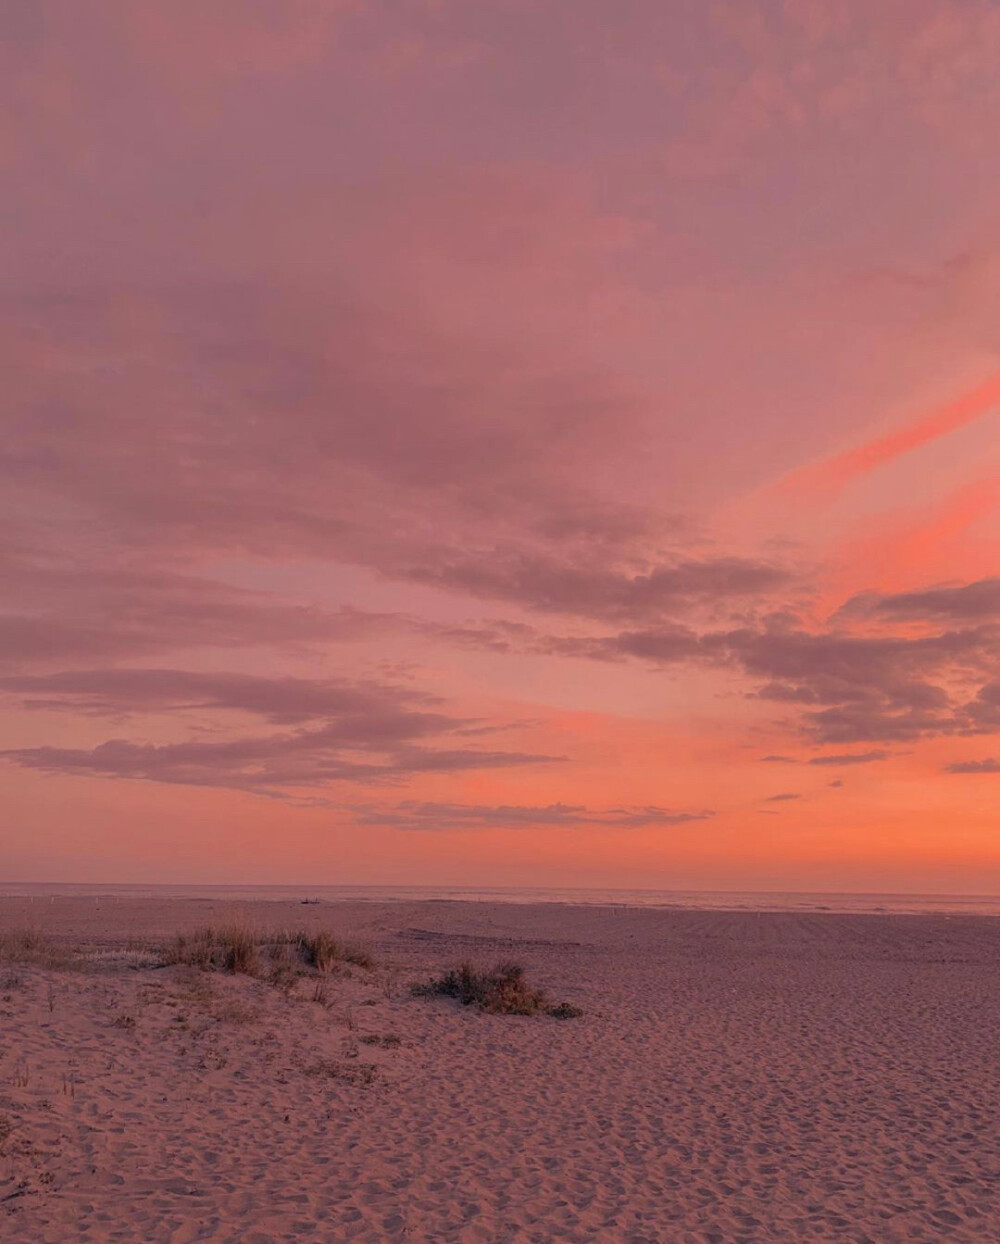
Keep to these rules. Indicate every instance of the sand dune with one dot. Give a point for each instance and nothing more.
(735, 1079)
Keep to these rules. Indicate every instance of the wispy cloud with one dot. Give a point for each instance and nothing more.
(366, 733)
(965, 602)
(849, 758)
(836, 473)
(411, 814)
(988, 765)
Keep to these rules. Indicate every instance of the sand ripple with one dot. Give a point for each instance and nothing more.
(736, 1079)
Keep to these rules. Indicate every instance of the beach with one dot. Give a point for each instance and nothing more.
(735, 1078)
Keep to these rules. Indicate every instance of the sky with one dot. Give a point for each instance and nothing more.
(501, 443)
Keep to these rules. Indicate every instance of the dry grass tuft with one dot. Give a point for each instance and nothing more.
(284, 977)
(323, 952)
(388, 1042)
(363, 1074)
(319, 951)
(236, 1013)
(358, 955)
(231, 948)
(565, 1010)
(502, 990)
(281, 956)
(29, 947)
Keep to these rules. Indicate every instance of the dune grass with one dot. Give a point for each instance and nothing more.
(323, 952)
(31, 948)
(501, 990)
(242, 950)
(229, 948)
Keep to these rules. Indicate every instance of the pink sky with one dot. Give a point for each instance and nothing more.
(501, 443)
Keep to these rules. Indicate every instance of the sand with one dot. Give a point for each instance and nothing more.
(736, 1078)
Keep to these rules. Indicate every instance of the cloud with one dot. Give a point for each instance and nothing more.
(783, 797)
(58, 613)
(367, 733)
(970, 602)
(860, 688)
(428, 465)
(487, 371)
(844, 686)
(841, 758)
(989, 765)
(612, 594)
(836, 473)
(411, 814)
(849, 758)
(667, 644)
(274, 765)
(111, 692)
(982, 713)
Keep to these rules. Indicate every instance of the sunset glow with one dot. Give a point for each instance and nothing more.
(438, 449)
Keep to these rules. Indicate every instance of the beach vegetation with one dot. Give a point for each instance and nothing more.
(500, 990)
(28, 947)
(280, 956)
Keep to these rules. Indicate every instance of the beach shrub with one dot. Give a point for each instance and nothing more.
(565, 1010)
(389, 1041)
(363, 1074)
(319, 950)
(28, 946)
(231, 948)
(358, 955)
(238, 948)
(501, 990)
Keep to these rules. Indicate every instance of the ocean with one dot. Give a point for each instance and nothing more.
(714, 900)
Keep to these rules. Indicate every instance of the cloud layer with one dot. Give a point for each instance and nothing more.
(344, 732)
(517, 407)
(441, 816)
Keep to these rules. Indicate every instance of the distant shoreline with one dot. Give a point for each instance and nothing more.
(683, 900)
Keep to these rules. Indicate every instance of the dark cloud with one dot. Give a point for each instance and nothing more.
(982, 713)
(834, 666)
(989, 765)
(286, 701)
(58, 613)
(968, 602)
(666, 645)
(783, 797)
(357, 732)
(340, 431)
(844, 687)
(608, 593)
(855, 689)
(849, 758)
(275, 765)
(836, 758)
(286, 416)
(411, 814)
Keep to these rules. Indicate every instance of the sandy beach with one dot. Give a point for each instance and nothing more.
(735, 1078)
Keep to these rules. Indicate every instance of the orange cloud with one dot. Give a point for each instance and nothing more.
(922, 547)
(831, 476)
